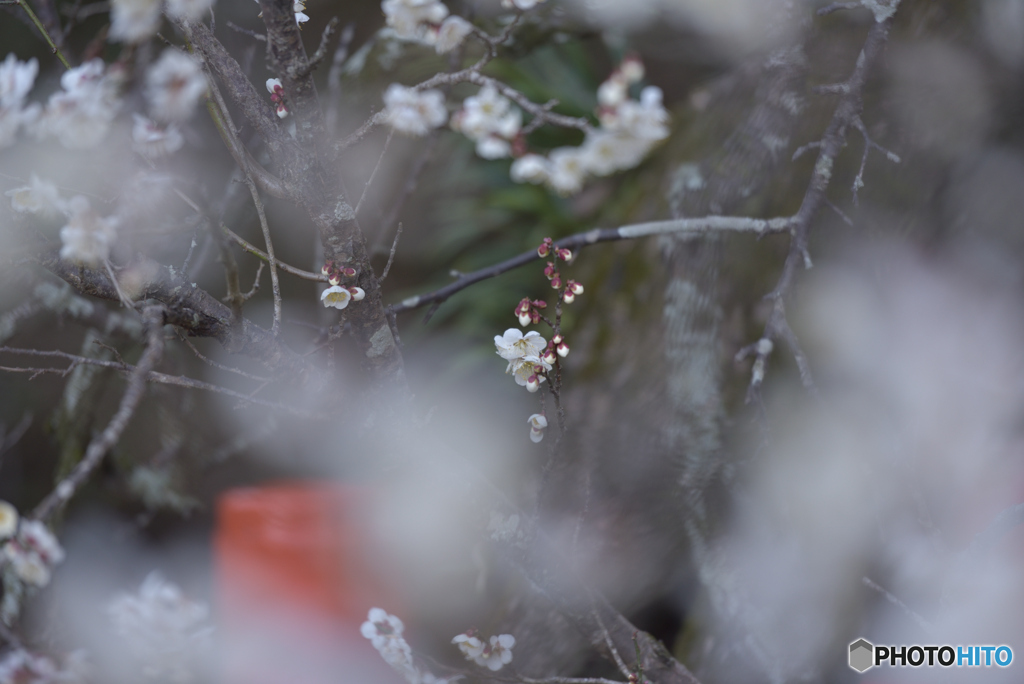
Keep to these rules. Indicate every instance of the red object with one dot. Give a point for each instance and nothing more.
(296, 576)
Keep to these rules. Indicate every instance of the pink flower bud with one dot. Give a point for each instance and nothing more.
(348, 271)
(564, 254)
(324, 270)
(532, 383)
(576, 288)
(357, 293)
(556, 340)
(543, 251)
(563, 350)
(549, 356)
(568, 297)
(334, 280)
(539, 304)
(535, 316)
(556, 282)
(550, 271)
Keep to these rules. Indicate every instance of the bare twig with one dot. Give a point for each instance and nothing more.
(199, 355)
(265, 227)
(42, 29)
(321, 51)
(247, 32)
(373, 174)
(391, 256)
(256, 251)
(153, 318)
(691, 226)
(858, 182)
(910, 613)
(836, 6)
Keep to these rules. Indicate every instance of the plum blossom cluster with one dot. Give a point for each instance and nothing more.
(385, 633)
(414, 112)
(427, 22)
(162, 629)
(525, 355)
(174, 86)
(629, 129)
(490, 120)
(338, 295)
(81, 113)
(135, 21)
(88, 237)
(16, 80)
(493, 654)
(30, 551)
(530, 357)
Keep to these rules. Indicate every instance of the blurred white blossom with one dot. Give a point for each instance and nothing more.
(80, 114)
(414, 112)
(87, 238)
(152, 140)
(493, 654)
(188, 9)
(174, 85)
(38, 197)
(33, 553)
(521, 4)
(415, 19)
(451, 33)
(162, 629)
(16, 79)
(8, 520)
(489, 119)
(133, 21)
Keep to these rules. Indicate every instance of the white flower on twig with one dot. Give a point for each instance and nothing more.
(416, 20)
(87, 238)
(537, 424)
(493, 654)
(414, 112)
(174, 85)
(33, 553)
(134, 21)
(80, 114)
(451, 33)
(38, 197)
(515, 345)
(336, 296)
(153, 141)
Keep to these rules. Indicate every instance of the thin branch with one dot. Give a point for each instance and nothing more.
(391, 256)
(247, 32)
(256, 251)
(614, 652)
(255, 283)
(153, 319)
(921, 622)
(42, 29)
(692, 226)
(229, 369)
(152, 376)
(275, 330)
(858, 182)
(321, 51)
(373, 174)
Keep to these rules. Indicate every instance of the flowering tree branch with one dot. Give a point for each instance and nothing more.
(684, 226)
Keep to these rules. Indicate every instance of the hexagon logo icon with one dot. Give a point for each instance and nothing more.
(862, 655)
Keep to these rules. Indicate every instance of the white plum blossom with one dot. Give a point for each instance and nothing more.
(537, 423)
(416, 20)
(451, 33)
(80, 114)
(134, 21)
(174, 85)
(498, 652)
(188, 9)
(87, 238)
(38, 197)
(528, 371)
(629, 130)
(33, 553)
(336, 296)
(152, 140)
(162, 629)
(385, 633)
(515, 345)
(568, 170)
(490, 120)
(493, 654)
(469, 644)
(530, 168)
(380, 627)
(16, 79)
(8, 520)
(414, 112)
